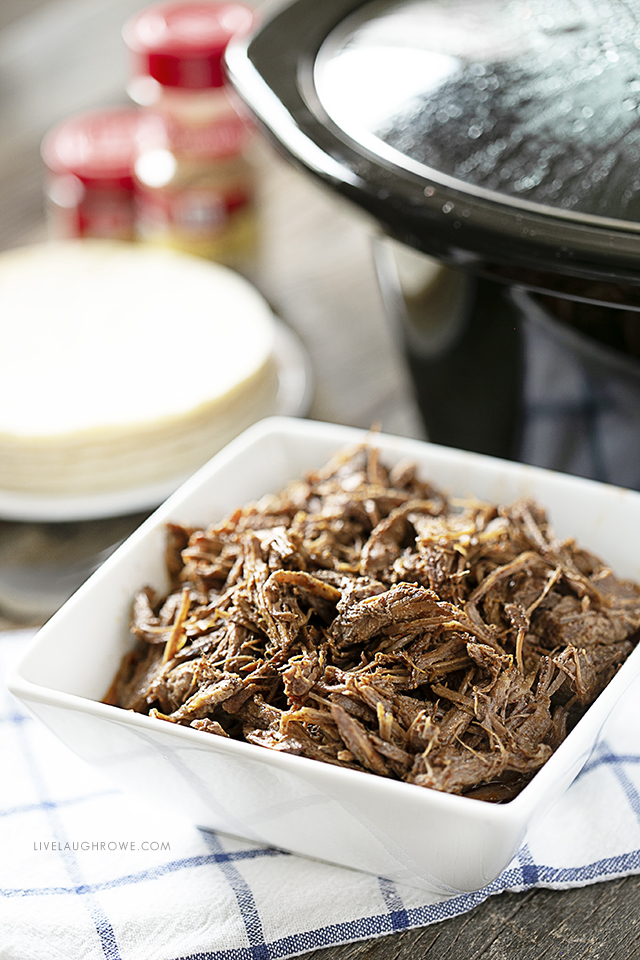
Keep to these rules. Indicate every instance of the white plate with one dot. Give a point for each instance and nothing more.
(293, 400)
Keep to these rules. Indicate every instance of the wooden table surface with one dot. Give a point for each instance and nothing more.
(62, 56)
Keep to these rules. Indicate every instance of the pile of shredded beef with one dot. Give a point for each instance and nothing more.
(361, 618)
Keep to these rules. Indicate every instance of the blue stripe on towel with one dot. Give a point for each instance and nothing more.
(102, 924)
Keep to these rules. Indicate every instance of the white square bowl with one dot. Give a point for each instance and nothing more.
(407, 833)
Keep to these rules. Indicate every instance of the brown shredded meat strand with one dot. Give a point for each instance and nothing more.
(361, 618)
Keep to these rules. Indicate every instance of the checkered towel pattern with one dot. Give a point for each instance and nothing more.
(87, 873)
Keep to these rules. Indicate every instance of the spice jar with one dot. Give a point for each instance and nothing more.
(195, 183)
(89, 186)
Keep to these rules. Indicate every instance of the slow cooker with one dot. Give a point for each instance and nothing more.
(496, 145)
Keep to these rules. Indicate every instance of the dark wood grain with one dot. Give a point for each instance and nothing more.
(319, 274)
(599, 922)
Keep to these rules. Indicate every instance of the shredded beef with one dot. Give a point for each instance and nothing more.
(362, 618)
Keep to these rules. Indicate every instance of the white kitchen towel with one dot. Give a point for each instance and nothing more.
(87, 873)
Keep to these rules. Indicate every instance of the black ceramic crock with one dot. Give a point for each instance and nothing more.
(497, 145)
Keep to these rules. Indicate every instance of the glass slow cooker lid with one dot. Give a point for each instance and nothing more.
(533, 101)
(506, 130)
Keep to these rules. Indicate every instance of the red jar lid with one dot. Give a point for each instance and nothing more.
(98, 147)
(182, 44)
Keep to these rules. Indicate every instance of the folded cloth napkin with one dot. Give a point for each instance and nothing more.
(87, 872)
